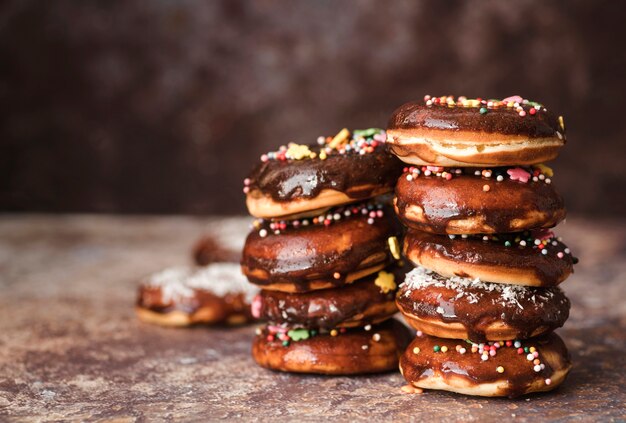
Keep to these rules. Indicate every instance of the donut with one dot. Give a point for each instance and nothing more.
(531, 258)
(462, 308)
(508, 368)
(329, 251)
(372, 349)
(448, 131)
(183, 296)
(470, 201)
(367, 301)
(305, 180)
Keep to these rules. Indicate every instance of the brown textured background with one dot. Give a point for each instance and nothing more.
(162, 107)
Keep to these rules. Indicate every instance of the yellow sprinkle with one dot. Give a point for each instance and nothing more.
(562, 123)
(340, 138)
(532, 349)
(385, 281)
(500, 369)
(312, 155)
(333, 332)
(473, 103)
(323, 155)
(394, 247)
(297, 151)
(444, 349)
(545, 170)
(416, 350)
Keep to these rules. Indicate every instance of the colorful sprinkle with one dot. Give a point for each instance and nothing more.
(385, 281)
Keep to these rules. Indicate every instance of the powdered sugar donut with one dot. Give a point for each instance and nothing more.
(181, 296)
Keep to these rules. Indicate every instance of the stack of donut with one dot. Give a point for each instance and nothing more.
(479, 204)
(323, 249)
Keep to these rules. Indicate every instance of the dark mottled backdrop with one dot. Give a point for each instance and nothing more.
(162, 106)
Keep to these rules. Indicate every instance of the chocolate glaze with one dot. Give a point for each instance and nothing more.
(326, 308)
(151, 298)
(547, 268)
(506, 121)
(356, 175)
(477, 308)
(344, 352)
(463, 197)
(299, 256)
(517, 369)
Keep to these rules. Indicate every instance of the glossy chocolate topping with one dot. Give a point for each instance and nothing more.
(301, 255)
(506, 121)
(327, 308)
(352, 352)
(550, 268)
(517, 369)
(356, 175)
(476, 305)
(464, 197)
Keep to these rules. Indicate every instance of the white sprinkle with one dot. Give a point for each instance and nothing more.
(376, 337)
(263, 232)
(409, 177)
(500, 178)
(364, 347)
(368, 327)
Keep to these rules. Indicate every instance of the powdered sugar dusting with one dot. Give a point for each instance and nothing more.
(510, 295)
(222, 279)
(178, 283)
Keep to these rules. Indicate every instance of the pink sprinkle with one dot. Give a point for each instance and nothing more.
(256, 307)
(514, 99)
(559, 254)
(381, 137)
(276, 329)
(548, 381)
(435, 168)
(264, 158)
(518, 174)
(379, 213)
(246, 190)
(522, 113)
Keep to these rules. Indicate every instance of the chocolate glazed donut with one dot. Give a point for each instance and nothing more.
(319, 257)
(465, 309)
(358, 304)
(492, 261)
(462, 205)
(201, 307)
(358, 176)
(461, 369)
(460, 132)
(356, 351)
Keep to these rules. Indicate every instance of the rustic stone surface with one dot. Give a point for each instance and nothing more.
(71, 348)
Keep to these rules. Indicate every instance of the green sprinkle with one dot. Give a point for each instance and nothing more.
(483, 110)
(526, 349)
(313, 332)
(285, 343)
(436, 348)
(507, 243)
(366, 133)
(298, 334)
